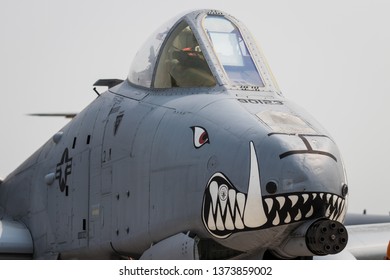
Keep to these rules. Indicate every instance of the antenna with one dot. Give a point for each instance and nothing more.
(95, 90)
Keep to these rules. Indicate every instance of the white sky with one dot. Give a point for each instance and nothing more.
(331, 57)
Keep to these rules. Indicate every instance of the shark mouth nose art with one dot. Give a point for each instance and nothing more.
(226, 210)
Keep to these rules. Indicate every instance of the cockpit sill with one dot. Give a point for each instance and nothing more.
(245, 95)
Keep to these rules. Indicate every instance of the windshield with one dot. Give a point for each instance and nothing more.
(232, 51)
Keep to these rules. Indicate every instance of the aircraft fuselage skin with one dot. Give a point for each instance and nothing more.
(138, 166)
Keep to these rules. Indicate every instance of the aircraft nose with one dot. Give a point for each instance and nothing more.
(291, 180)
(302, 177)
(301, 163)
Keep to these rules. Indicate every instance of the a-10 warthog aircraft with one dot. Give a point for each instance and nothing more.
(196, 155)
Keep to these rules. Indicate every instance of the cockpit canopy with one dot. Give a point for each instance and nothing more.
(201, 49)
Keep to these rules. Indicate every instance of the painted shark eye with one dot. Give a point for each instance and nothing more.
(201, 136)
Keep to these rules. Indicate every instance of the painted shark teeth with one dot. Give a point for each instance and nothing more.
(295, 207)
(280, 210)
(226, 210)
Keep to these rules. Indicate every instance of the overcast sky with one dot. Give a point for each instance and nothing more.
(331, 57)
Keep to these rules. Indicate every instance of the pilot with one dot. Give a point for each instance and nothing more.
(188, 67)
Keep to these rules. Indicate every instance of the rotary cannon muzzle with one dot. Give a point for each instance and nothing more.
(325, 237)
(315, 238)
